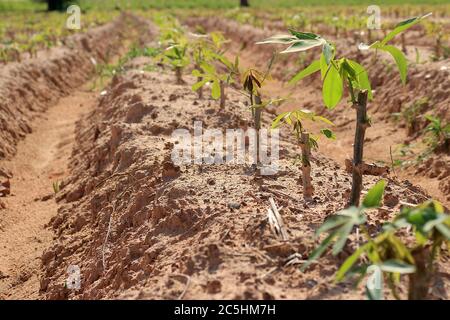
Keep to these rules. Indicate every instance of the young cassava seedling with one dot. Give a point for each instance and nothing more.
(306, 141)
(387, 253)
(216, 77)
(336, 73)
(204, 50)
(439, 139)
(252, 81)
(176, 56)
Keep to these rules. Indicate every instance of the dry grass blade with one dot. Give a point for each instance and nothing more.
(275, 221)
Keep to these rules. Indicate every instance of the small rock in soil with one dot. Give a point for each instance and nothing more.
(234, 205)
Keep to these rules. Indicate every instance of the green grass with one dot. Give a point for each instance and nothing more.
(10, 5)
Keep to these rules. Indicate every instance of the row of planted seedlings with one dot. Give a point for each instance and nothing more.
(408, 245)
(24, 33)
(342, 23)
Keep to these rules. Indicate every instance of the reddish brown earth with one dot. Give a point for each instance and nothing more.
(29, 166)
(173, 230)
(140, 227)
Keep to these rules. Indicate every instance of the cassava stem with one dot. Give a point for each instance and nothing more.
(257, 120)
(308, 189)
(420, 281)
(358, 147)
(222, 94)
(179, 75)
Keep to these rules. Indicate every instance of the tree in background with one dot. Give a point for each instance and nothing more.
(58, 5)
(55, 5)
(244, 3)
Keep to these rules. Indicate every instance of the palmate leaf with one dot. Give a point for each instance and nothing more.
(312, 68)
(424, 218)
(402, 26)
(339, 227)
(374, 195)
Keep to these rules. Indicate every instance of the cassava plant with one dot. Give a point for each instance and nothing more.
(252, 81)
(337, 73)
(439, 138)
(177, 57)
(175, 46)
(410, 244)
(216, 77)
(306, 140)
(204, 50)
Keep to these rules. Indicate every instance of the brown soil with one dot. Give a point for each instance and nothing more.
(139, 227)
(31, 205)
(30, 166)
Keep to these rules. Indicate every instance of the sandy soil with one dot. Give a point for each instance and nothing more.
(41, 160)
(140, 227)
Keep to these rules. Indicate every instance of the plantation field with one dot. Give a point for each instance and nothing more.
(202, 150)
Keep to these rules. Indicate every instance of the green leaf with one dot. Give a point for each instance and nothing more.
(215, 90)
(303, 45)
(318, 251)
(343, 234)
(276, 121)
(303, 35)
(444, 230)
(196, 73)
(350, 261)
(400, 60)
(332, 88)
(402, 26)
(199, 84)
(374, 289)
(323, 119)
(397, 266)
(279, 39)
(362, 78)
(328, 52)
(332, 222)
(313, 67)
(208, 68)
(373, 197)
(323, 66)
(328, 133)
